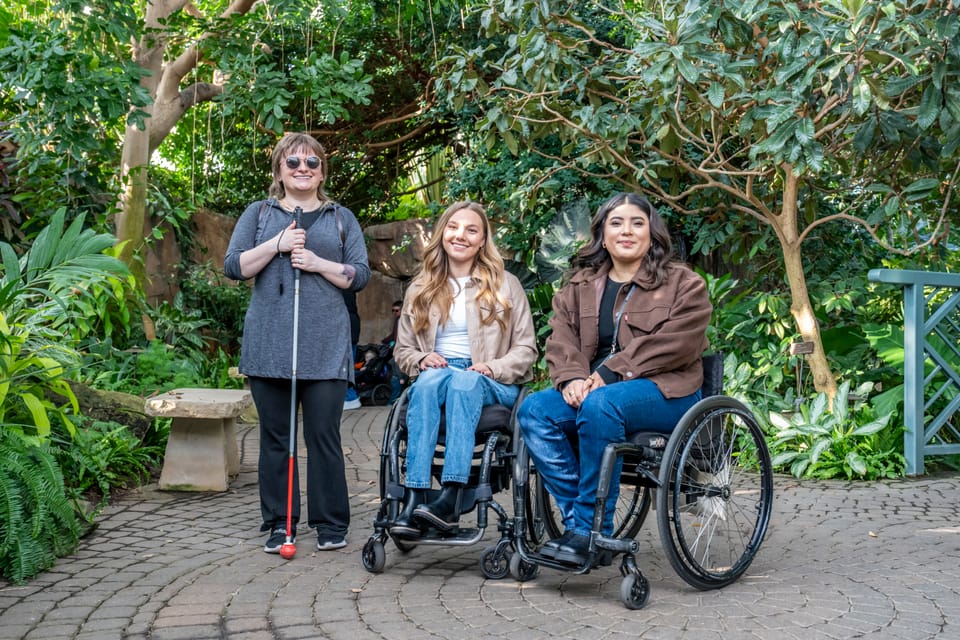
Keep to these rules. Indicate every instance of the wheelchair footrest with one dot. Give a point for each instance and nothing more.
(617, 545)
(461, 536)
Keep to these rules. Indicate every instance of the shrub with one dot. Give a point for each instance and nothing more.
(847, 442)
(45, 296)
(103, 456)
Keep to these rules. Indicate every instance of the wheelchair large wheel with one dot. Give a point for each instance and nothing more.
(633, 504)
(716, 493)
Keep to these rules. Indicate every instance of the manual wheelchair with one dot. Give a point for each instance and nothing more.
(491, 473)
(712, 481)
(711, 478)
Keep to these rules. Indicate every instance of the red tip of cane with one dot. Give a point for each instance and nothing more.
(288, 550)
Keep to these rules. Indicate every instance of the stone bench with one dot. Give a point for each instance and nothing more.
(202, 451)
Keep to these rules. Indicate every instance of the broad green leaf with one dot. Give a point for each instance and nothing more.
(783, 458)
(818, 448)
(779, 420)
(872, 427)
(856, 463)
(38, 412)
(929, 107)
(715, 94)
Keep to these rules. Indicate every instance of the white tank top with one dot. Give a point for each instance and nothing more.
(453, 339)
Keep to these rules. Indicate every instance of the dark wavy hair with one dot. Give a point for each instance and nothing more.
(594, 256)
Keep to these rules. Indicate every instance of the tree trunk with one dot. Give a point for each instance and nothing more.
(131, 219)
(785, 225)
(135, 158)
(170, 102)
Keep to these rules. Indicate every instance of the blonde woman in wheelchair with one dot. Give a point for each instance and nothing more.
(466, 333)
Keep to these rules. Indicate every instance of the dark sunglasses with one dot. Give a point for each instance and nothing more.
(313, 162)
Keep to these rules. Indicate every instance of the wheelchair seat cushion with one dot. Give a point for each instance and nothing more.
(493, 417)
(652, 439)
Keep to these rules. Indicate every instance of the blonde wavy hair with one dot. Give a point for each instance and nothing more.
(434, 275)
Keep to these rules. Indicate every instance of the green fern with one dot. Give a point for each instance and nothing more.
(37, 522)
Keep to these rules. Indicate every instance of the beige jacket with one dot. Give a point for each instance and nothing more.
(510, 354)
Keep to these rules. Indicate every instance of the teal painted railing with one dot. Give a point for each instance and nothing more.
(931, 345)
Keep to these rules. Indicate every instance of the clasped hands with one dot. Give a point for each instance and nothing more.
(575, 391)
(434, 360)
(292, 241)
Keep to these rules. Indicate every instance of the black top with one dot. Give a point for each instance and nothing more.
(605, 324)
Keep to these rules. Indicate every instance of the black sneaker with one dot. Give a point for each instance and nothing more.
(277, 538)
(330, 541)
(576, 551)
(549, 548)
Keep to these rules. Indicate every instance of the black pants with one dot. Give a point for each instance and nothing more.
(321, 405)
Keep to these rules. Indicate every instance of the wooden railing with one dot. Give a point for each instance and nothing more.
(931, 344)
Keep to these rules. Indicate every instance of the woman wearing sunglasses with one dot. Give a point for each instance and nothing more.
(299, 228)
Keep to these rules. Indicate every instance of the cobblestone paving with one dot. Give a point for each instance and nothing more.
(841, 560)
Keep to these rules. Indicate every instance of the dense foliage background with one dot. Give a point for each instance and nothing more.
(791, 146)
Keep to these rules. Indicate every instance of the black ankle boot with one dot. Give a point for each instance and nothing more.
(405, 526)
(444, 512)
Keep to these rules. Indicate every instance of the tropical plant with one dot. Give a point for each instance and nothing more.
(154, 369)
(220, 303)
(849, 441)
(43, 295)
(101, 456)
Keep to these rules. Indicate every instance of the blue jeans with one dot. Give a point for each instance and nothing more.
(351, 389)
(461, 395)
(608, 414)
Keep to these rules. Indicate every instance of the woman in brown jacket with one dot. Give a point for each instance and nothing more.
(628, 332)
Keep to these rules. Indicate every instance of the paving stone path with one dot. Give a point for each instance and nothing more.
(841, 560)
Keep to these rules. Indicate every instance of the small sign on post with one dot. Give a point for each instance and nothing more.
(801, 348)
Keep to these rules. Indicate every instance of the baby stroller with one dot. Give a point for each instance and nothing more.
(374, 367)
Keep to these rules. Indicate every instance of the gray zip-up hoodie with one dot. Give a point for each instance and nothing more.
(324, 350)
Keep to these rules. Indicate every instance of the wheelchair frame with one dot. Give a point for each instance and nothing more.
(713, 482)
(495, 458)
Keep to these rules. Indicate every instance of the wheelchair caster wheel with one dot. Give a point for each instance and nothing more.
(634, 591)
(521, 570)
(374, 556)
(494, 563)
